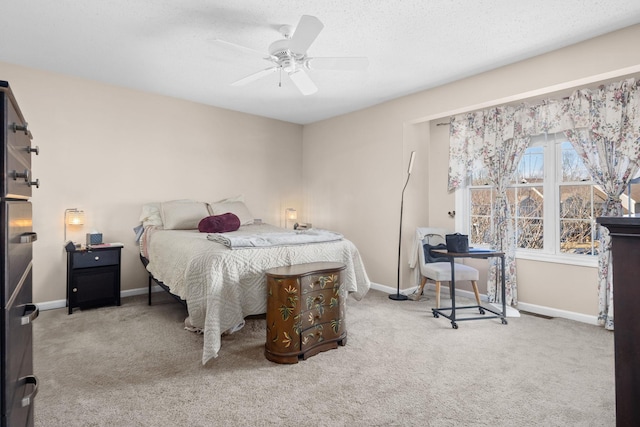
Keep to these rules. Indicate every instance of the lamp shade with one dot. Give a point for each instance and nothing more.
(74, 217)
(291, 214)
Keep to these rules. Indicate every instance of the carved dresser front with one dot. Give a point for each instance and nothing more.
(305, 311)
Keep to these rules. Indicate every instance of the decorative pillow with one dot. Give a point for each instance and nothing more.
(182, 214)
(239, 209)
(219, 223)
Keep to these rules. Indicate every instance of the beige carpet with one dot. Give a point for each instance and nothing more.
(134, 365)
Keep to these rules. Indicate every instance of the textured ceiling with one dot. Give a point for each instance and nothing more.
(168, 47)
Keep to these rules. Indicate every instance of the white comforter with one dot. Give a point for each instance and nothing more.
(222, 286)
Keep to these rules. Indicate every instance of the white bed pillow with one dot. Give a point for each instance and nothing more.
(150, 215)
(237, 208)
(183, 214)
(238, 198)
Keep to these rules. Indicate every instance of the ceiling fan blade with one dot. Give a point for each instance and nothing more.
(344, 63)
(243, 49)
(303, 82)
(306, 32)
(255, 76)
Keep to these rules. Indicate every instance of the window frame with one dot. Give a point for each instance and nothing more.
(551, 213)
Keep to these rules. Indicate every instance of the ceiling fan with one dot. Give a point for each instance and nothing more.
(289, 55)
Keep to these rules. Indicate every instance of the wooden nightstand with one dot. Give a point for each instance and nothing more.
(305, 311)
(93, 277)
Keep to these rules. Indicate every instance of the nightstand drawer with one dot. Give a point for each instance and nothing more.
(91, 259)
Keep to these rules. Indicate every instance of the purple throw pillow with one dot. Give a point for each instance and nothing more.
(219, 223)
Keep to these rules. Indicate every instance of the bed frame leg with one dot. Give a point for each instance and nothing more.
(150, 289)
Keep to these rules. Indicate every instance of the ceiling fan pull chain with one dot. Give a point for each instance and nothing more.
(280, 82)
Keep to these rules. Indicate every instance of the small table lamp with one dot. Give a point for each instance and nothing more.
(72, 216)
(290, 215)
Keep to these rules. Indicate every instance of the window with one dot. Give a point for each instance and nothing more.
(579, 203)
(553, 203)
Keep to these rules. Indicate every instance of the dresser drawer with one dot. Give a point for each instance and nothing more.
(18, 155)
(319, 281)
(324, 332)
(321, 307)
(18, 342)
(91, 259)
(18, 252)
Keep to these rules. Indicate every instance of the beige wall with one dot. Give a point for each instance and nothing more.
(108, 150)
(369, 152)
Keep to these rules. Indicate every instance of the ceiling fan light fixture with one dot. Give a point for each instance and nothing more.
(279, 47)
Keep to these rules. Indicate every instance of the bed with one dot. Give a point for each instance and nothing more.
(220, 275)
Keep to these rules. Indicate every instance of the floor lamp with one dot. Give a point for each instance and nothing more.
(398, 296)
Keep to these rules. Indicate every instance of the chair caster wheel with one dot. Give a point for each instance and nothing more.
(482, 311)
(454, 325)
(504, 321)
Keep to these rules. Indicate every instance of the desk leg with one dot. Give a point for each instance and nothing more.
(452, 287)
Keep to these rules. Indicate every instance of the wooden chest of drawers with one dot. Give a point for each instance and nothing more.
(17, 311)
(305, 311)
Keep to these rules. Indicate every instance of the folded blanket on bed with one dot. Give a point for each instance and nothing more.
(275, 239)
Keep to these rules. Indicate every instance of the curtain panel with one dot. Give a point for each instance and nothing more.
(603, 125)
(606, 135)
(495, 139)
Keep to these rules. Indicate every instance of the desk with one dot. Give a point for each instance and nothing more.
(437, 312)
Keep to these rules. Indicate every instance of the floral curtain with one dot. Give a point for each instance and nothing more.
(497, 138)
(603, 126)
(606, 134)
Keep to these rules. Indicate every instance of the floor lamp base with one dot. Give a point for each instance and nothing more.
(398, 297)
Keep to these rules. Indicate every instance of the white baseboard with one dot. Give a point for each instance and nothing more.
(62, 303)
(511, 311)
(554, 312)
(52, 305)
(390, 290)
